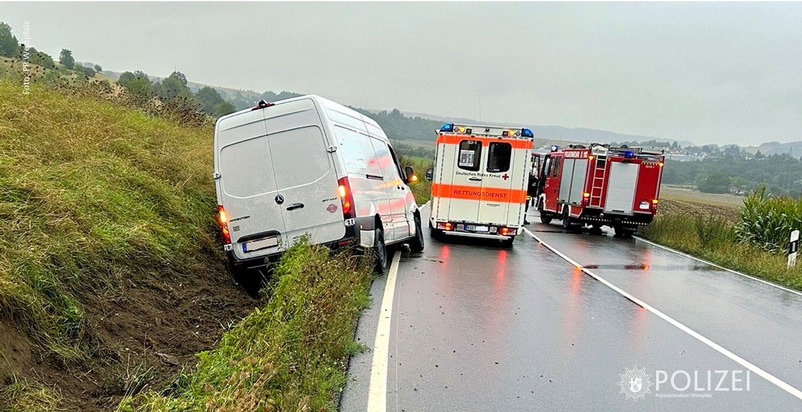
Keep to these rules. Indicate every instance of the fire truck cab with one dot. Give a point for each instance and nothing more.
(479, 181)
(600, 185)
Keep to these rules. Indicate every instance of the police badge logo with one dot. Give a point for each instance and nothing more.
(635, 383)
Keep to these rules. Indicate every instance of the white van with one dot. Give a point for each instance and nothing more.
(307, 165)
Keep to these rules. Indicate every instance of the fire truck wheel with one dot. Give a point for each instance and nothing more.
(566, 220)
(380, 252)
(416, 243)
(624, 231)
(545, 217)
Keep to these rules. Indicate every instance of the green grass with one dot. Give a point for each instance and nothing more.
(89, 192)
(91, 195)
(715, 239)
(27, 397)
(422, 189)
(289, 355)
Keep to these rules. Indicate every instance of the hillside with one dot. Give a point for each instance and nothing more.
(794, 149)
(111, 278)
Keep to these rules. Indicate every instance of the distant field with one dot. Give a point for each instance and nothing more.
(677, 200)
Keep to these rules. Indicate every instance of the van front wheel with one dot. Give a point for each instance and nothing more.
(380, 252)
(416, 243)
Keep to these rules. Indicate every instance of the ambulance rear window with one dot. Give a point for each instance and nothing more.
(470, 152)
(498, 159)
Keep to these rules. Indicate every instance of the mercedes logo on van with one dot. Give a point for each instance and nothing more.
(279, 199)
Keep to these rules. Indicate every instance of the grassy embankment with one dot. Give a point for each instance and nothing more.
(749, 238)
(290, 355)
(93, 196)
(109, 211)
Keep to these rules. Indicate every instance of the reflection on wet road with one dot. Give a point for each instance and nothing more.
(477, 327)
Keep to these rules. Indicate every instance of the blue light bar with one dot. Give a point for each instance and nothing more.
(629, 153)
(555, 148)
(448, 127)
(527, 133)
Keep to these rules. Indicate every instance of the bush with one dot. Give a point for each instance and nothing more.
(767, 222)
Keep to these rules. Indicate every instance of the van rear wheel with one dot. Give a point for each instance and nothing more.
(416, 243)
(380, 252)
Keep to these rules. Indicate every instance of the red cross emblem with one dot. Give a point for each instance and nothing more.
(505, 177)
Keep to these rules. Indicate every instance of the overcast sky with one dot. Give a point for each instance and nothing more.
(704, 72)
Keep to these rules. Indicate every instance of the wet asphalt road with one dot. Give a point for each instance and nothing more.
(480, 328)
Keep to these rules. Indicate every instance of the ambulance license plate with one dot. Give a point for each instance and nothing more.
(259, 244)
(475, 228)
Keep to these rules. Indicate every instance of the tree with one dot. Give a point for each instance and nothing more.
(41, 59)
(208, 98)
(126, 78)
(9, 46)
(98, 68)
(716, 183)
(88, 71)
(66, 59)
(223, 108)
(175, 86)
(137, 84)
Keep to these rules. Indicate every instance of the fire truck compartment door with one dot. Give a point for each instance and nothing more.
(621, 187)
(573, 180)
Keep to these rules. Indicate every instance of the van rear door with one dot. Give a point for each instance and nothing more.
(277, 179)
(247, 185)
(304, 171)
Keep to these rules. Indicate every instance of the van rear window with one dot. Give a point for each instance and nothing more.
(470, 153)
(299, 156)
(498, 158)
(246, 168)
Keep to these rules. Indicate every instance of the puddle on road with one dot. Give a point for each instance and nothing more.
(653, 267)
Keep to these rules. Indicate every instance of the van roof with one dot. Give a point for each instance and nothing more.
(321, 101)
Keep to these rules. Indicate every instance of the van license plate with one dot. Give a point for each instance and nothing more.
(259, 244)
(476, 228)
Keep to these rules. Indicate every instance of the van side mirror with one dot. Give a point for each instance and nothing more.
(430, 174)
(410, 174)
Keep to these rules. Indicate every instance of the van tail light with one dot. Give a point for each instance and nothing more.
(445, 225)
(505, 231)
(222, 220)
(347, 198)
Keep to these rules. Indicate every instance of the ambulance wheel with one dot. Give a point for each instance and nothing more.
(380, 252)
(545, 217)
(507, 243)
(435, 233)
(416, 243)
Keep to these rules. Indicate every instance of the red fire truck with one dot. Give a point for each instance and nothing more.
(600, 185)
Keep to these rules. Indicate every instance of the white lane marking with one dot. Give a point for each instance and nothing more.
(377, 396)
(743, 362)
(718, 266)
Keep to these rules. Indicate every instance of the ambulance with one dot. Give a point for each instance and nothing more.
(479, 181)
(616, 186)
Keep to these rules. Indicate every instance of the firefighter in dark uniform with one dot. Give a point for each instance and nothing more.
(531, 192)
